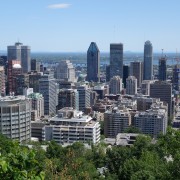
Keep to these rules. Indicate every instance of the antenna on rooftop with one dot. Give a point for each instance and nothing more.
(162, 52)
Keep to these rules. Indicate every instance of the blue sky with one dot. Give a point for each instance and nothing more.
(70, 25)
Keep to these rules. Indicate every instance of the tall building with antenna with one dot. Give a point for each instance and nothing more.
(162, 68)
(21, 53)
(148, 61)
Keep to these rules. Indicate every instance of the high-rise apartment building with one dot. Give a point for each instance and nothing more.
(37, 104)
(148, 61)
(2, 81)
(131, 85)
(84, 97)
(115, 85)
(116, 60)
(116, 121)
(93, 63)
(153, 121)
(15, 119)
(162, 69)
(14, 69)
(136, 71)
(21, 53)
(65, 71)
(47, 87)
(162, 90)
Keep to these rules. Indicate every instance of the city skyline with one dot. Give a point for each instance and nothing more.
(69, 26)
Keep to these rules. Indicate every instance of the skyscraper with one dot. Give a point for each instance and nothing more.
(116, 60)
(148, 61)
(47, 87)
(136, 71)
(65, 71)
(21, 53)
(162, 90)
(93, 63)
(162, 69)
(26, 58)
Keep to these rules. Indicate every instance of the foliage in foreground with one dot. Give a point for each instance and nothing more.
(144, 160)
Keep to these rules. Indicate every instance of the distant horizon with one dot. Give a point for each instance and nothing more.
(66, 52)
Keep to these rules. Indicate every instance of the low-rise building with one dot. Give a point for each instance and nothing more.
(67, 127)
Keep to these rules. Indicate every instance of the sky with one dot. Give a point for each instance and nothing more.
(71, 25)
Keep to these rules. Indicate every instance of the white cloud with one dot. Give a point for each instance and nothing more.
(58, 6)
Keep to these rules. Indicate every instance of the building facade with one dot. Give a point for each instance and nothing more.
(65, 71)
(47, 87)
(176, 77)
(70, 126)
(153, 121)
(115, 85)
(68, 98)
(162, 90)
(116, 121)
(2, 81)
(148, 61)
(37, 105)
(84, 97)
(34, 78)
(136, 71)
(116, 60)
(162, 69)
(93, 63)
(14, 69)
(21, 53)
(125, 74)
(131, 85)
(15, 119)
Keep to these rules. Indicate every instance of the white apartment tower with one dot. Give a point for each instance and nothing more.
(115, 85)
(153, 121)
(131, 85)
(65, 71)
(37, 102)
(15, 119)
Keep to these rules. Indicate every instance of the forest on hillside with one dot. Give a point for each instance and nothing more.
(143, 161)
